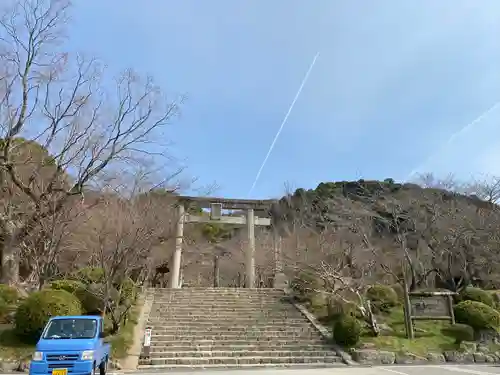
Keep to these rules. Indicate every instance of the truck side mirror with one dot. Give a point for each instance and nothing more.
(102, 335)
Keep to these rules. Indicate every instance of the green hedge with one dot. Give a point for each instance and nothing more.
(460, 332)
(477, 315)
(347, 331)
(338, 308)
(90, 275)
(9, 294)
(383, 298)
(71, 286)
(306, 284)
(128, 291)
(34, 312)
(478, 295)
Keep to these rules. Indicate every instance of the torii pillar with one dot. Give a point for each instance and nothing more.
(175, 271)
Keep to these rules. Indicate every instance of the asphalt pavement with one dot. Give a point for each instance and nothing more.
(347, 370)
(353, 370)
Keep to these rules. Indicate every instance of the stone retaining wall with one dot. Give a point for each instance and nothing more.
(475, 354)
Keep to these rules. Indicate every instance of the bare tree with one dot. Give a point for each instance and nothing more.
(44, 252)
(59, 102)
(125, 233)
(486, 189)
(449, 182)
(335, 248)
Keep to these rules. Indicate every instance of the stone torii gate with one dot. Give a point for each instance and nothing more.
(253, 208)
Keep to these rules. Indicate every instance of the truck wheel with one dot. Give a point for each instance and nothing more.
(103, 367)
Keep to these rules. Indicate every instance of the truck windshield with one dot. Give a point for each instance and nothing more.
(71, 329)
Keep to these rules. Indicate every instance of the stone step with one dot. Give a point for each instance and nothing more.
(224, 318)
(168, 324)
(237, 342)
(237, 319)
(218, 296)
(241, 353)
(217, 303)
(167, 319)
(220, 299)
(201, 361)
(232, 330)
(157, 321)
(231, 336)
(229, 345)
(247, 308)
(222, 315)
(215, 290)
(160, 368)
(208, 295)
(185, 309)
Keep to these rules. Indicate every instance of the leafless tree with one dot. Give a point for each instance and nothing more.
(125, 233)
(44, 252)
(449, 182)
(59, 102)
(339, 253)
(486, 189)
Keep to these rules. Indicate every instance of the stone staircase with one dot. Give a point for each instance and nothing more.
(228, 327)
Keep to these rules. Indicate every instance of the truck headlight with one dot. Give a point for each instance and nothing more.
(87, 355)
(37, 356)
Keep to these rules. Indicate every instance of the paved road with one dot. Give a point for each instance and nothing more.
(348, 370)
(389, 370)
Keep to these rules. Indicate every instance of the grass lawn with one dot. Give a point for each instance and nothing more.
(428, 336)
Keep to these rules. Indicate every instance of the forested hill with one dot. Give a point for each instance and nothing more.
(451, 235)
(382, 197)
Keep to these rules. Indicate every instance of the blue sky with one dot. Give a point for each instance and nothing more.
(394, 81)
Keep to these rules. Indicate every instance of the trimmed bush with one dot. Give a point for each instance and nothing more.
(460, 332)
(305, 285)
(338, 308)
(477, 315)
(382, 297)
(71, 286)
(128, 293)
(93, 295)
(90, 275)
(34, 312)
(398, 288)
(5, 310)
(478, 295)
(347, 331)
(496, 297)
(91, 298)
(9, 294)
(317, 300)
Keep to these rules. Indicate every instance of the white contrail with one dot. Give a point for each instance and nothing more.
(283, 124)
(453, 136)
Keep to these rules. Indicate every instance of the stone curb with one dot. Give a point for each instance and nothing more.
(131, 362)
(371, 357)
(346, 358)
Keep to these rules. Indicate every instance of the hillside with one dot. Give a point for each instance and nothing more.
(372, 228)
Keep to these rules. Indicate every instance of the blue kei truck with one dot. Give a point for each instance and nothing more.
(71, 345)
